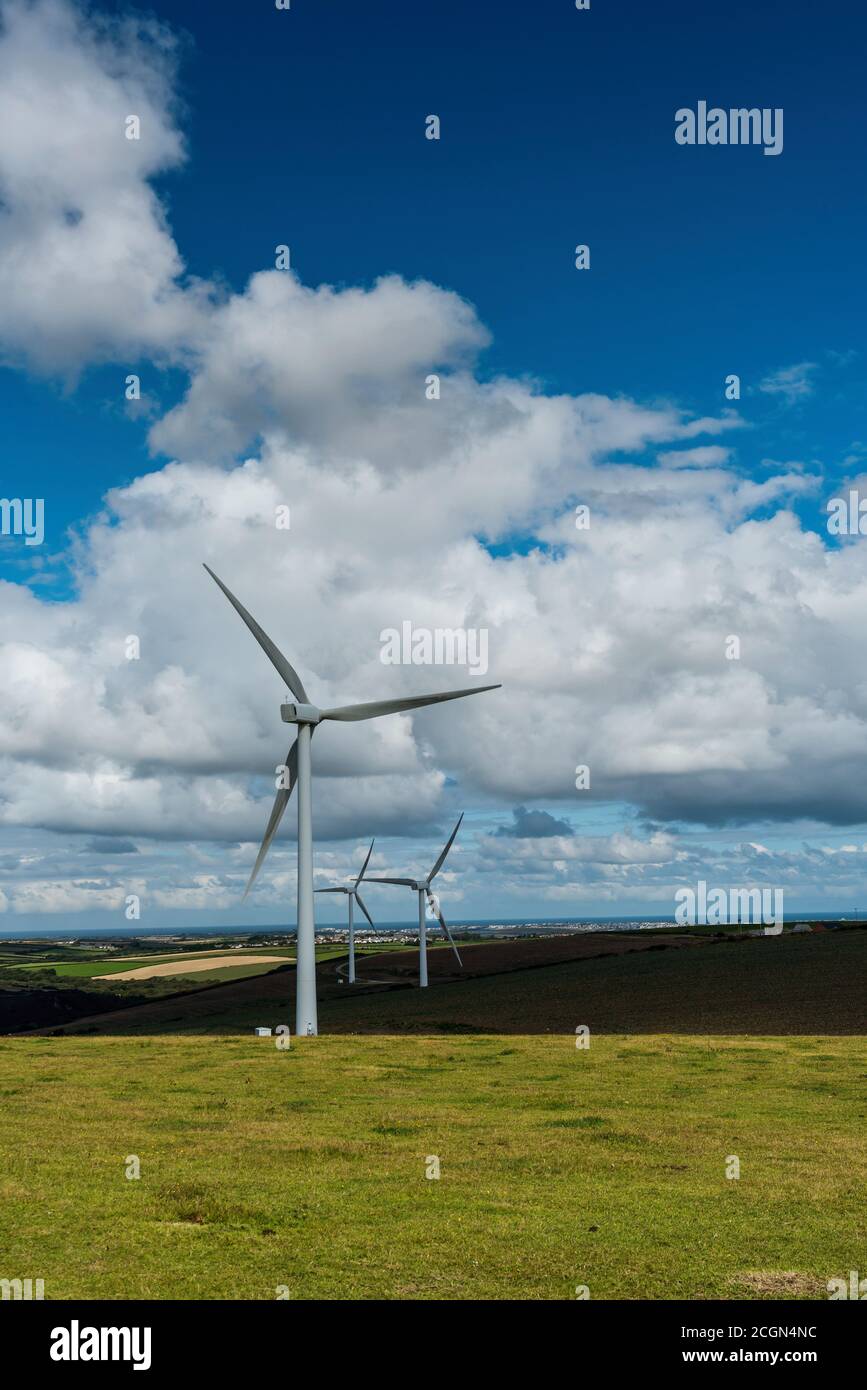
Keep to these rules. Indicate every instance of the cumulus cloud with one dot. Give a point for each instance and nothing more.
(88, 268)
(55, 896)
(320, 363)
(618, 632)
(534, 825)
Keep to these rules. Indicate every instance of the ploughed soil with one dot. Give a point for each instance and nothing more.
(523, 953)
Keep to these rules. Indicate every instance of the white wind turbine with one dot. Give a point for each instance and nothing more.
(352, 897)
(307, 717)
(422, 886)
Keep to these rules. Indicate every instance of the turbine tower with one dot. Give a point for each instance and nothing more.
(422, 886)
(352, 897)
(307, 717)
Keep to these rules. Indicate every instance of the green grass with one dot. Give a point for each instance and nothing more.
(306, 1168)
(221, 973)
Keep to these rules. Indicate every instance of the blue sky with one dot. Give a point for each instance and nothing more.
(306, 127)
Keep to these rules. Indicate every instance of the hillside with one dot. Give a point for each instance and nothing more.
(810, 984)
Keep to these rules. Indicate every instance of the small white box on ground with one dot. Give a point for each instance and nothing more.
(262, 1032)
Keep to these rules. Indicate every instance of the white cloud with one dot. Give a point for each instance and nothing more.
(55, 896)
(620, 631)
(706, 456)
(322, 364)
(88, 268)
(793, 384)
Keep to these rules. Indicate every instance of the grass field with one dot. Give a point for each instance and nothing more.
(306, 1168)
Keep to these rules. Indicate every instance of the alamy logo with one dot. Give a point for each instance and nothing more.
(737, 126)
(847, 516)
(76, 1343)
(856, 1288)
(25, 1289)
(721, 907)
(440, 646)
(23, 516)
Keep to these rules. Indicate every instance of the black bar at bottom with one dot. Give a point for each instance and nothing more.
(262, 1341)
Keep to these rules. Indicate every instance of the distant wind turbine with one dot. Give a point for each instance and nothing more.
(297, 766)
(422, 886)
(352, 897)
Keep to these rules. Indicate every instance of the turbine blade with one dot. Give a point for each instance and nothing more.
(365, 864)
(438, 865)
(280, 803)
(273, 653)
(407, 882)
(442, 922)
(348, 713)
(360, 901)
(330, 890)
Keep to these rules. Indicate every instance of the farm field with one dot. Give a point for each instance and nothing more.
(97, 965)
(45, 991)
(211, 964)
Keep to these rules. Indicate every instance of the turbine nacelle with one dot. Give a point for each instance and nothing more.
(294, 713)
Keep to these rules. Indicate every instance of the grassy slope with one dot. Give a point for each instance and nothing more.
(306, 1168)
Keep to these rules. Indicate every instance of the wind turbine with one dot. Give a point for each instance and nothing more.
(423, 887)
(352, 897)
(297, 767)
